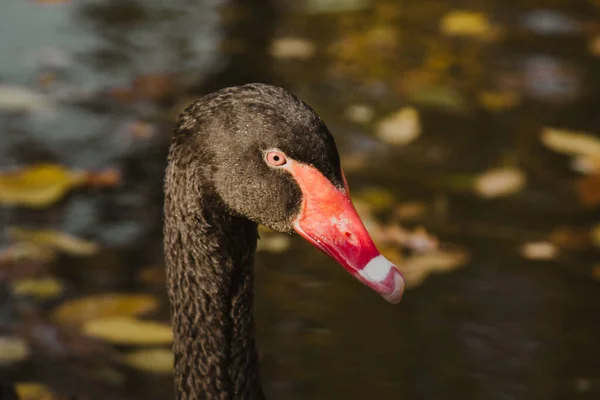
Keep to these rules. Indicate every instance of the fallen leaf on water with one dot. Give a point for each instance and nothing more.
(155, 275)
(274, 243)
(157, 360)
(38, 186)
(400, 128)
(596, 272)
(499, 101)
(12, 350)
(18, 99)
(499, 182)
(37, 287)
(446, 97)
(154, 87)
(376, 198)
(292, 48)
(411, 210)
(539, 250)
(570, 142)
(588, 189)
(595, 234)
(465, 23)
(56, 240)
(129, 331)
(33, 391)
(77, 311)
(359, 113)
(585, 164)
(418, 267)
(570, 238)
(24, 251)
(334, 6)
(594, 46)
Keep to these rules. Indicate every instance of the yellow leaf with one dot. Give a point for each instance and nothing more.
(77, 311)
(37, 186)
(33, 391)
(465, 23)
(419, 266)
(37, 287)
(157, 360)
(539, 250)
(21, 251)
(129, 331)
(400, 128)
(12, 350)
(56, 240)
(275, 243)
(499, 182)
(292, 48)
(376, 198)
(498, 101)
(571, 142)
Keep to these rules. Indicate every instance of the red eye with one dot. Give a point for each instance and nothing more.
(275, 158)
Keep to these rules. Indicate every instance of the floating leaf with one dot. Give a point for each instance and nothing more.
(57, 240)
(156, 275)
(154, 87)
(411, 210)
(18, 99)
(334, 6)
(37, 287)
(465, 23)
(292, 48)
(570, 238)
(498, 101)
(596, 272)
(571, 142)
(419, 266)
(588, 189)
(585, 164)
(376, 198)
(400, 128)
(539, 250)
(444, 97)
(22, 251)
(129, 331)
(33, 391)
(499, 182)
(275, 243)
(37, 186)
(359, 113)
(77, 311)
(157, 360)
(12, 350)
(595, 234)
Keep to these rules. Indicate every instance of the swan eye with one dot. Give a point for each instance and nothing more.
(275, 158)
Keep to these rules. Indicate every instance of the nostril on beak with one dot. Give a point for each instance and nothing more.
(349, 235)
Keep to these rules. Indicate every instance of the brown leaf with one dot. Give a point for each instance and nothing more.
(154, 87)
(588, 189)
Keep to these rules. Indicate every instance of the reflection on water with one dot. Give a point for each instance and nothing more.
(473, 120)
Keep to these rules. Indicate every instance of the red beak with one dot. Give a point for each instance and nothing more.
(328, 220)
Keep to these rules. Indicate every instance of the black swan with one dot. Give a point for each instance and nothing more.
(242, 156)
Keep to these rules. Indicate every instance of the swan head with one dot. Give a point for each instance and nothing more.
(271, 159)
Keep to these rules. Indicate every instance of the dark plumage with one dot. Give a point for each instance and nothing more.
(218, 187)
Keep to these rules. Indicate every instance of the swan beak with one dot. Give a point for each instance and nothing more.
(328, 220)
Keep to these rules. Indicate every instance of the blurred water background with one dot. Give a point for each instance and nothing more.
(470, 135)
